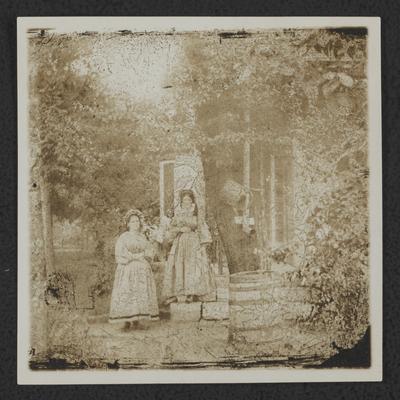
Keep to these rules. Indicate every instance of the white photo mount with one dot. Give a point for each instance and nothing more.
(186, 24)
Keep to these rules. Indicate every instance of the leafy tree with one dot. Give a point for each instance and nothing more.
(87, 150)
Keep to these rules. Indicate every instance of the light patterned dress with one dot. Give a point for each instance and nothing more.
(134, 292)
(187, 271)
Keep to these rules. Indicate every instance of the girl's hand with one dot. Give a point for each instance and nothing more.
(185, 229)
(137, 256)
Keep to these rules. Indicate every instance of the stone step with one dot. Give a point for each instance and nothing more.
(242, 286)
(262, 284)
(215, 310)
(251, 276)
(222, 294)
(248, 296)
(185, 311)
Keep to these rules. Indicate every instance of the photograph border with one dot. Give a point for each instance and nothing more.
(248, 375)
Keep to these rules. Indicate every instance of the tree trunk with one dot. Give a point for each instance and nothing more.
(260, 206)
(39, 318)
(47, 225)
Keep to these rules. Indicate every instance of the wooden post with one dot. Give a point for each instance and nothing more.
(162, 211)
(162, 185)
(263, 224)
(291, 193)
(246, 184)
(246, 175)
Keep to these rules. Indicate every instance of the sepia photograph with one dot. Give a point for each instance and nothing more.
(199, 200)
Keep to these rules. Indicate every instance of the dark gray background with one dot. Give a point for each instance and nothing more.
(388, 10)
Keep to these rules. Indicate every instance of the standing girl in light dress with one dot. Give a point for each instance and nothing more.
(187, 276)
(134, 291)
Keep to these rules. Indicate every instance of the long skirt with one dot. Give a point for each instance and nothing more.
(134, 293)
(188, 271)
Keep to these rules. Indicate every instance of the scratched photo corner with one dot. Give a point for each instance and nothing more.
(198, 199)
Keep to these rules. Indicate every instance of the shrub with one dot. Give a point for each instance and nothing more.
(104, 279)
(60, 289)
(336, 263)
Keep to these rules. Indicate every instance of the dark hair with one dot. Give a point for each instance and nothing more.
(188, 193)
(134, 213)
